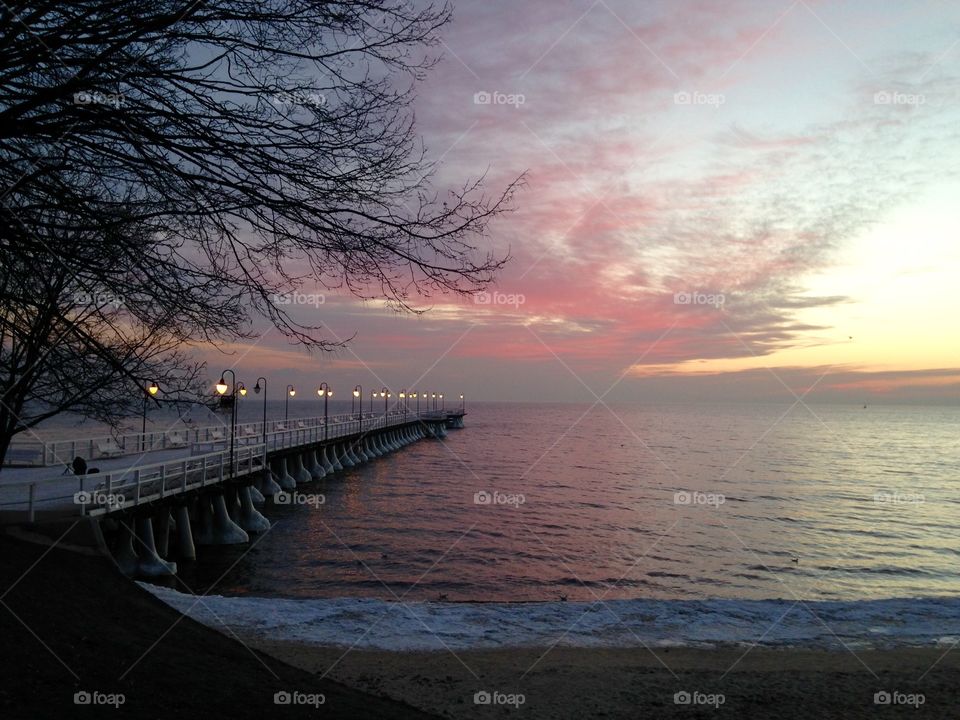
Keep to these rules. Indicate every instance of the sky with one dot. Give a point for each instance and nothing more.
(731, 200)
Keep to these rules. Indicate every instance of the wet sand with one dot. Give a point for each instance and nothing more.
(633, 683)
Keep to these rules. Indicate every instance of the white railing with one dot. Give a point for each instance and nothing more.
(46, 453)
(117, 490)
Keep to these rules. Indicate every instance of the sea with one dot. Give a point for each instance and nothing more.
(615, 525)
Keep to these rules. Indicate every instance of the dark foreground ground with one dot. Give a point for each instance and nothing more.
(70, 623)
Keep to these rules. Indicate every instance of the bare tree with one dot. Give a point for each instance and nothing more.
(67, 348)
(253, 145)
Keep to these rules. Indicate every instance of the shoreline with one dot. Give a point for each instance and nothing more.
(722, 623)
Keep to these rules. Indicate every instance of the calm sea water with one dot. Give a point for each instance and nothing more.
(662, 502)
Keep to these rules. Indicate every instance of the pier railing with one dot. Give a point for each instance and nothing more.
(47, 453)
(119, 490)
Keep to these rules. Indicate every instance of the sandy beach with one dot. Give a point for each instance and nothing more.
(632, 683)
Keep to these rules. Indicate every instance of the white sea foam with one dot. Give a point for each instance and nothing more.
(380, 624)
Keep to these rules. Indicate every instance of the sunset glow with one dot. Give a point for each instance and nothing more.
(797, 160)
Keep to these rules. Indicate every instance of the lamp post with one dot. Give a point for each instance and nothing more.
(417, 396)
(463, 404)
(151, 390)
(325, 392)
(358, 393)
(291, 391)
(433, 403)
(384, 393)
(403, 403)
(443, 405)
(256, 389)
(222, 389)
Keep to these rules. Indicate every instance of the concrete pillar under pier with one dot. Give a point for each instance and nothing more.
(251, 519)
(335, 456)
(352, 454)
(204, 513)
(151, 564)
(300, 472)
(358, 451)
(344, 456)
(371, 448)
(287, 481)
(125, 555)
(223, 531)
(317, 470)
(162, 532)
(268, 484)
(185, 547)
(325, 461)
(232, 502)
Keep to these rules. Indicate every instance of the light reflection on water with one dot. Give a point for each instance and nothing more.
(855, 503)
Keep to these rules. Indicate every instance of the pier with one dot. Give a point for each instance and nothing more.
(206, 486)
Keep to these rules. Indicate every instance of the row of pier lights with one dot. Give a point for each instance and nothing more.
(435, 401)
(218, 508)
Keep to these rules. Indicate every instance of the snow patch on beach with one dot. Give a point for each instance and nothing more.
(384, 625)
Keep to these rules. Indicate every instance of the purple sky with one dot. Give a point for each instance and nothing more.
(726, 200)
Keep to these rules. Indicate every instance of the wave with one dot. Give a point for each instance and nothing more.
(368, 623)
